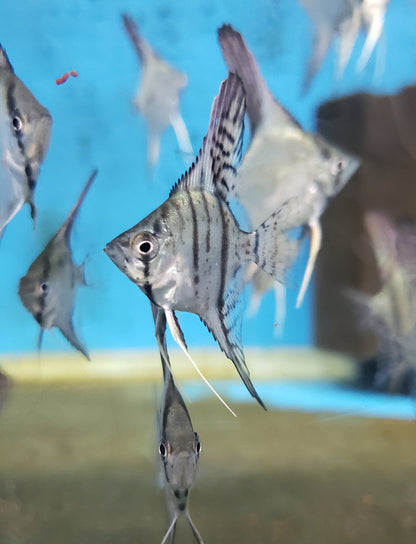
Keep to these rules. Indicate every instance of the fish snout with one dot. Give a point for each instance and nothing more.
(183, 473)
(114, 250)
(119, 251)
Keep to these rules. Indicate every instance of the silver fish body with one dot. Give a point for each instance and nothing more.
(190, 254)
(25, 127)
(283, 163)
(179, 444)
(158, 96)
(49, 287)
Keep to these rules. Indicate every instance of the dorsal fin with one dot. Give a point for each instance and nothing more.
(4, 60)
(67, 226)
(140, 45)
(214, 168)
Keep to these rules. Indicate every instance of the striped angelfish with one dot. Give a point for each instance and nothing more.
(49, 287)
(25, 127)
(190, 253)
(179, 444)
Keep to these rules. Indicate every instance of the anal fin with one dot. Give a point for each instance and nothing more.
(179, 338)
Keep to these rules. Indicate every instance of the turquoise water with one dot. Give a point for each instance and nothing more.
(94, 126)
(315, 396)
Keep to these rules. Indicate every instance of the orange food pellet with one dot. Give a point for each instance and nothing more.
(65, 77)
(62, 79)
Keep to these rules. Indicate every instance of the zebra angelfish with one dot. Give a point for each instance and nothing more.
(179, 445)
(25, 127)
(49, 287)
(190, 253)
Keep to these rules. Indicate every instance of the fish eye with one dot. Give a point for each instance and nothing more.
(17, 123)
(162, 449)
(44, 287)
(337, 167)
(198, 444)
(146, 245)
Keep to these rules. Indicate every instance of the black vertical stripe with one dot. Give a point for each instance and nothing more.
(13, 111)
(195, 241)
(208, 222)
(147, 286)
(224, 264)
(256, 245)
(173, 202)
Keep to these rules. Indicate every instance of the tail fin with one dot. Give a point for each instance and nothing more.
(274, 248)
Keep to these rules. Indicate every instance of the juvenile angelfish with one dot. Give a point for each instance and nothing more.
(190, 253)
(25, 127)
(179, 444)
(48, 289)
(283, 163)
(158, 96)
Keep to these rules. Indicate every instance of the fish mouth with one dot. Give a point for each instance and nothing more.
(115, 251)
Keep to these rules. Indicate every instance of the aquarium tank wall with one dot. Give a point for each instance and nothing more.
(171, 173)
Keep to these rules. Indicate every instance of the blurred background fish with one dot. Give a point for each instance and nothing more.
(391, 311)
(25, 127)
(157, 99)
(343, 20)
(283, 163)
(49, 287)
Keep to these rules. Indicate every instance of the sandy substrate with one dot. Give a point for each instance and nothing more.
(78, 465)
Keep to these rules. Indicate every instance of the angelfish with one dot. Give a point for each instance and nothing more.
(190, 253)
(345, 20)
(392, 310)
(49, 287)
(331, 19)
(158, 96)
(25, 127)
(283, 163)
(179, 444)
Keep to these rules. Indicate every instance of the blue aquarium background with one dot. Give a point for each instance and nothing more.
(95, 126)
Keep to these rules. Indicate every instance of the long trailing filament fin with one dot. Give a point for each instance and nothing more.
(179, 339)
(172, 527)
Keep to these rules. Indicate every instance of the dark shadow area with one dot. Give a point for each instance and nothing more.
(381, 130)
